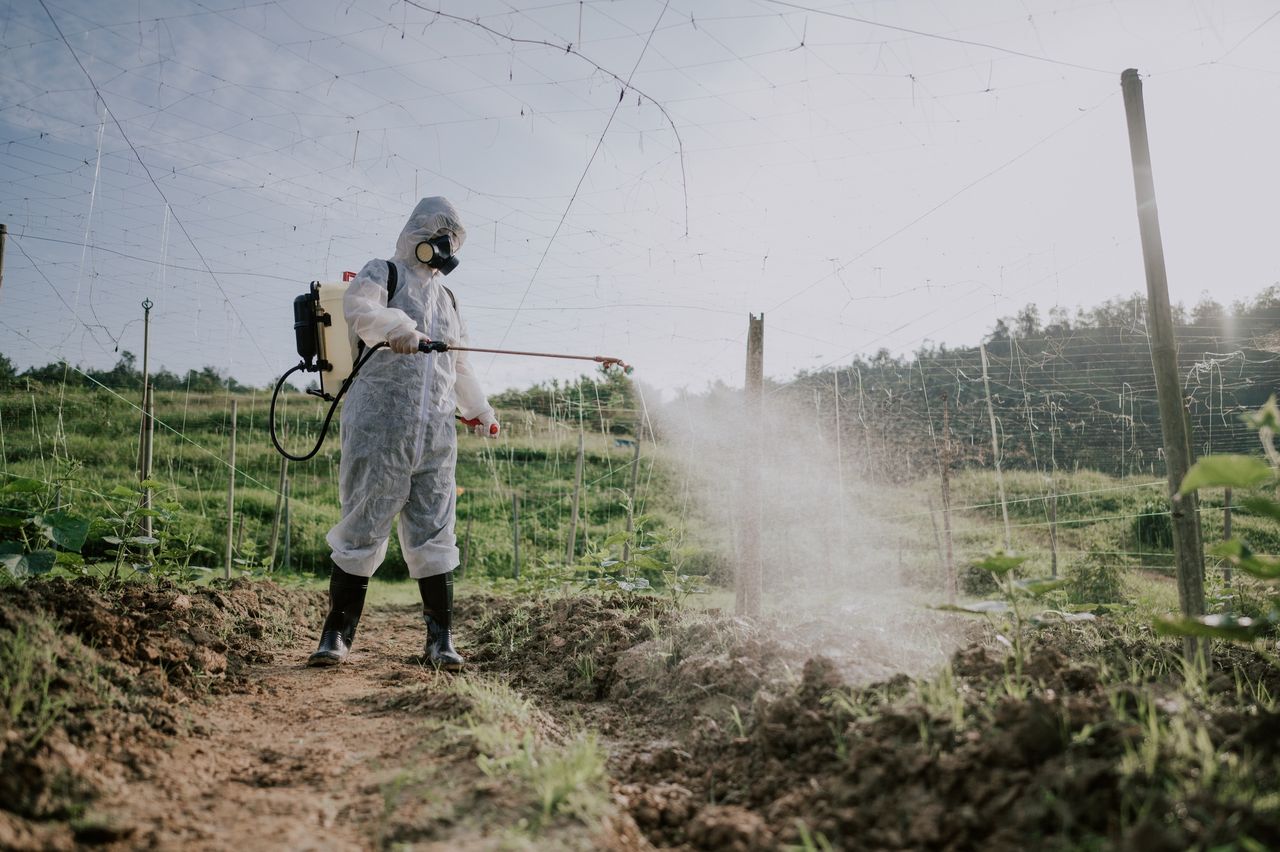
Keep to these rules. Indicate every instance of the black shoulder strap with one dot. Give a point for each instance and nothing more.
(393, 279)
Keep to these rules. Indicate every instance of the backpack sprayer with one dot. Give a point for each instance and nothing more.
(324, 344)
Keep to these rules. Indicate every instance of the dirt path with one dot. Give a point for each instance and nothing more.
(303, 760)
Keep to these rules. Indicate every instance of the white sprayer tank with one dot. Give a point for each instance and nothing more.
(335, 341)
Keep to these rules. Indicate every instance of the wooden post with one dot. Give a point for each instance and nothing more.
(1226, 533)
(749, 581)
(147, 432)
(275, 523)
(466, 539)
(285, 562)
(231, 491)
(571, 548)
(515, 534)
(631, 497)
(937, 537)
(1188, 549)
(945, 464)
(995, 450)
(839, 441)
(1053, 527)
(145, 457)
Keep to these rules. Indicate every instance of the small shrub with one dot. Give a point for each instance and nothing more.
(1153, 527)
(1094, 580)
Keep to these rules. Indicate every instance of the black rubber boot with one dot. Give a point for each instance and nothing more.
(437, 612)
(346, 602)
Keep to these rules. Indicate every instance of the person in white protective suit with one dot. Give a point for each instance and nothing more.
(399, 441)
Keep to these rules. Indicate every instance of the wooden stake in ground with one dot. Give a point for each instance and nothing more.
(147, 433)
(515, 535)
(1226, 532)
(631, 497)
(466, 539)
(1053, 527)
(945, 463)
(275, 523)
(571, 548)
(995, 450)
(1188, 549)
(231, 491)
(749, 578)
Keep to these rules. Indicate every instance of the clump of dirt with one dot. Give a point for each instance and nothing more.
(96, 677)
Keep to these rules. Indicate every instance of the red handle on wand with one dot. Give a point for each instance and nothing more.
(475, 421)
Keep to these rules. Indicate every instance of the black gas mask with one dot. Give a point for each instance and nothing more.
(436, 254)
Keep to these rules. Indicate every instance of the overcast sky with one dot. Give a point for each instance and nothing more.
(636, 176)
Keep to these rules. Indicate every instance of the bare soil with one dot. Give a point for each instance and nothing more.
(188, 720)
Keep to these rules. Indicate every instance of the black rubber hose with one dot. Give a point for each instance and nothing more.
(333, 406)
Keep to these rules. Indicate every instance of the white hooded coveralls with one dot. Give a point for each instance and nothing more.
(399, 442)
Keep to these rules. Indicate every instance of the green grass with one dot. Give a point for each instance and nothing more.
(83, 443)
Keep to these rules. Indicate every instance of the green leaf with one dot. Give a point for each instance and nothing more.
(1226, 472)
(1266, 417)
(65, 530)
(122, 491)
(617, 538)
(1262, 567)
(21, 565)
(647, 562)
(112, 539)
(1263, 506)
(22, 485)
(12, 520)
(73, 559)
(977, 608)
(9, 547)
(999, 563)
(151, 483)
(142, 540)
(1236, 629)
(1039, 585)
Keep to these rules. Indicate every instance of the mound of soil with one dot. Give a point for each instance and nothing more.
(98, 677)
(718, 744)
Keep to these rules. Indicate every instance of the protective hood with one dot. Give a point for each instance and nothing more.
(432, 216)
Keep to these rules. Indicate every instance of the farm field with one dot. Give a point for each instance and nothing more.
(169, 708)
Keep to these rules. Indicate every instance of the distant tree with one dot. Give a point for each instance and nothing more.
(1028, 322)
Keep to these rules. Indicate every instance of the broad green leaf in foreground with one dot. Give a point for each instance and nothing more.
(999, 563)
(1226, 472)
(21, 485)
(976, 608)
(28, 564)
(65, 530)
(1263, 506)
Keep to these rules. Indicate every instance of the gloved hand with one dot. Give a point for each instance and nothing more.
(404, 340)
(488, 426)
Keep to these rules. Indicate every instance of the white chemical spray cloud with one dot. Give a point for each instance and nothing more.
(833, 575)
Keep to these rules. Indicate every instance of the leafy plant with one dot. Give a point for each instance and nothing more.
(1260, 477)
(626, 560)
(40, 534)
(1011, 608)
